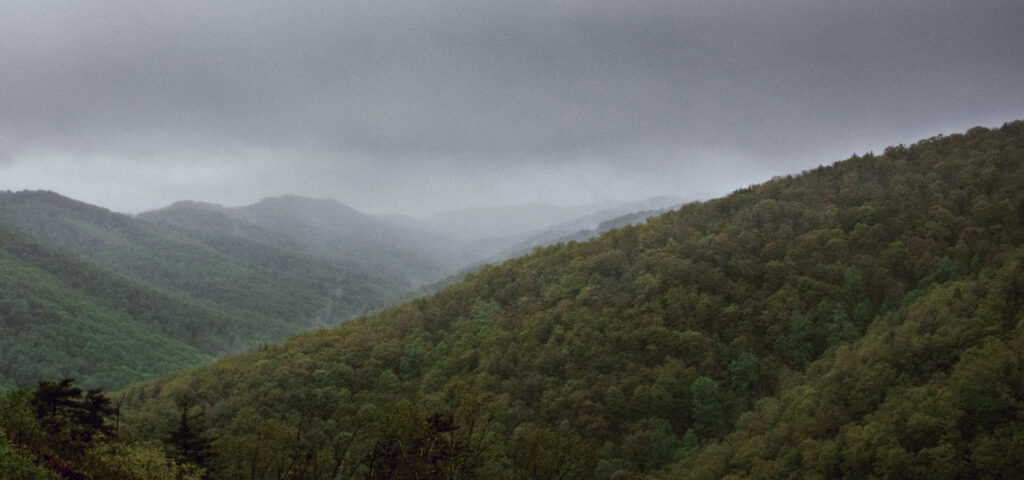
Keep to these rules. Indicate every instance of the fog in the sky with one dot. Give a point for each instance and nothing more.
(416, 106)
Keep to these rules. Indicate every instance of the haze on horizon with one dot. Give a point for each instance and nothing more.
(417, 107)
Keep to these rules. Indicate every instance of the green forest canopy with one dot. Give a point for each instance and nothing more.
(111, 300)
(862, 320)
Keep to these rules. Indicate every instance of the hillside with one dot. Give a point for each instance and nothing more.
(578, 230)
(495, 234)
(404, 255)
(857, 320)
(411, 252)
(475, 223)
(639, 350)
(263, 290)
(933, 390)
(63, 316)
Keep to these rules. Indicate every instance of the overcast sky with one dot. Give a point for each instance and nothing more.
(422, 105)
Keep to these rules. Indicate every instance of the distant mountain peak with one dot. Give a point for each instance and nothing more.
(321, 205)
(195, 205)
(33, 195)
(48, 197)
(298, 199)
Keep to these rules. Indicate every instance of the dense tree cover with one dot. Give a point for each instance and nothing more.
(111, 300)
(262, 291)
(13, 464)
(56, 430)
(868, 312)
(175, 314)
(859, 320)
(49, 327)
(933, 390)
(404, 253)
(284, 253)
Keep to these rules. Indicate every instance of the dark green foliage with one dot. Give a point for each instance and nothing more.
(926, 393)
(650, 443)
(110, 300)
(708, 416)
(248, 290)
(187, 443)
(536, 452)
(416, 446)
(57, 431)
(880, 297)
(745, 372)
(15, 465)
(60, 409)
(802, 341)
(92, 414)
(48, 327)
(52, 399)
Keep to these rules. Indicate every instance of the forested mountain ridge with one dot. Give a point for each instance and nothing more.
(638, 351)
(201, 293)
(411, 252)
(497, 234)
(858, 320)
(272, 290)
(203, 279)
(576, 231)
(404, 255)
(60, 315)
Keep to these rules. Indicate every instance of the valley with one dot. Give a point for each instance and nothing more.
(213, 280)
(857, 320)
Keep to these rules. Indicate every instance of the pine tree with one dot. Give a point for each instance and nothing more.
(52, 399)
(187, 442)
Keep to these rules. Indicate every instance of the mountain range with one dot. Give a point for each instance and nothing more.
(861, 320)
(196, 279)
(858, 320)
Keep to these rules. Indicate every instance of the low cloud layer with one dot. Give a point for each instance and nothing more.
(420, 106)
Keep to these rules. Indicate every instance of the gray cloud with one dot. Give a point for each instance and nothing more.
(460, 91)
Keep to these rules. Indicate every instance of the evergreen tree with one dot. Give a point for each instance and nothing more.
(187, 443)
(53, 399)
(90, 416)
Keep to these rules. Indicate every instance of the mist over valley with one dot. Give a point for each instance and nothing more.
(595, 240)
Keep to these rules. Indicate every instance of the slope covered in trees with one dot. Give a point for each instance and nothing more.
(410, 252)
(404, 255)
(261, 291)
(57, 430)
(862, 319)
(570, 232)
(934, 390)
(61, 316)
(858, 320)
(496, 234)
